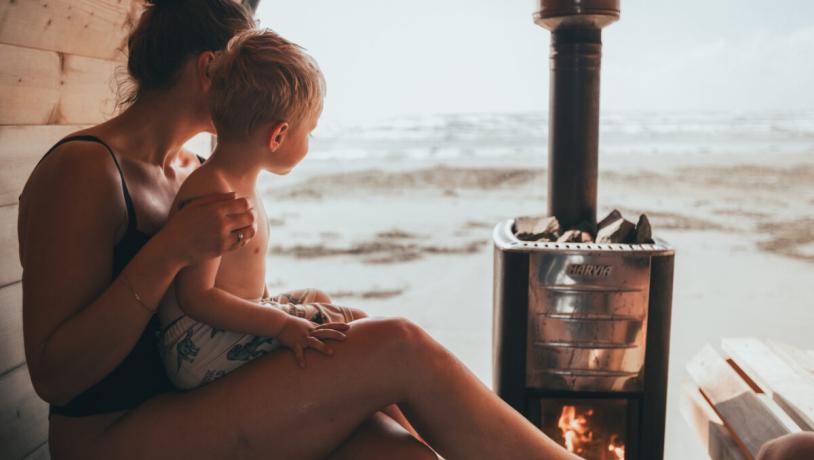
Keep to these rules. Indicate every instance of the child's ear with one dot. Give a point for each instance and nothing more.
(277, 135)
(202, 64)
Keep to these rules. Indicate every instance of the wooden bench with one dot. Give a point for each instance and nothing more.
(756, 391)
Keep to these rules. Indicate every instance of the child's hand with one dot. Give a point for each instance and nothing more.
(298, 334)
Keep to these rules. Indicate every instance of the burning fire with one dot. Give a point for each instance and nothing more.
(578, 436)
(616, 447)
(575, 431)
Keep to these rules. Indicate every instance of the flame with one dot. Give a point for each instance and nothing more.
(616, 448)
(575, 430)
(578, 436)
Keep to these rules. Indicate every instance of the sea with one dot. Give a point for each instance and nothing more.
(459, 137)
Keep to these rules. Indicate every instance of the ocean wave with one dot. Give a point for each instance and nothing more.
(495, 135)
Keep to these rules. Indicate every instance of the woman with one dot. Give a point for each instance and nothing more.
(99, 253)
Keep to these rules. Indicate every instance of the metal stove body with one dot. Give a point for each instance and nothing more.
(582, 331)
(585, 325)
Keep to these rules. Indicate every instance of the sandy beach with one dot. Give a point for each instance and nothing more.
(413, 239)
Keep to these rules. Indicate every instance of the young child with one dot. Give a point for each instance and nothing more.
(265, 99)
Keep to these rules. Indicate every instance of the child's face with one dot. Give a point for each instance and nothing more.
(295, 146)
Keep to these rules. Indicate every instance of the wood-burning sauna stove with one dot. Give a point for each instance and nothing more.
(582, 330)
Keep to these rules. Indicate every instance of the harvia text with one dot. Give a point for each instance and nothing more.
(589, 270)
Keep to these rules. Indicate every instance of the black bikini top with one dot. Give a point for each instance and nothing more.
(140, 376)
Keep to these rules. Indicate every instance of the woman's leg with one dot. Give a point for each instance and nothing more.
(341, 314)
(270, 408)
(381, 437)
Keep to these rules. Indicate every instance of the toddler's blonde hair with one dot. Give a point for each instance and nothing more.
(259, 78)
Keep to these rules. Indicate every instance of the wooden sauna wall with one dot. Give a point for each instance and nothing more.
(59, 58)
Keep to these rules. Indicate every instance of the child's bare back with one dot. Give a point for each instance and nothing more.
(242, 271)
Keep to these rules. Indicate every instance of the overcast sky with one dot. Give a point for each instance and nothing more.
(383, 57)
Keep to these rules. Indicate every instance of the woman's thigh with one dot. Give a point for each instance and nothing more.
(270, 408)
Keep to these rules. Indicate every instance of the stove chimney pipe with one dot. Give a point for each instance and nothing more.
(573, 139)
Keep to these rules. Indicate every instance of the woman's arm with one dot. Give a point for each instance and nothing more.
(77, 325)
(78, 322)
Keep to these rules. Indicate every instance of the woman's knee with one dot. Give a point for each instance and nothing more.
(796, 446)
(406, 336)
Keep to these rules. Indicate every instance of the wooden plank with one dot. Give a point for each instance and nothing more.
(47, 87)
(41, 453)
(21, 147)
(10, 269)
(11, 327)
(93, 28)
(23, 415)
(708, 426)
(797, 358)
(781, 414)
(746, 417)
(791, 389)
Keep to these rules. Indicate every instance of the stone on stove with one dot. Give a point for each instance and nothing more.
(616, 231)
(644, 232)
(537, 228)
(613, 216)
(575, 236)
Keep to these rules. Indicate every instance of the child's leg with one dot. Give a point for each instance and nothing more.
(319, 307)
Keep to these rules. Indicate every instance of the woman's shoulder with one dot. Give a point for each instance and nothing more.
(81, 176)
(73, 164)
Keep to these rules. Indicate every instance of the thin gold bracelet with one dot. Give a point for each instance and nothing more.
(135, 294)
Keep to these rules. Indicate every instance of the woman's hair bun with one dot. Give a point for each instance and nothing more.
(171, 31)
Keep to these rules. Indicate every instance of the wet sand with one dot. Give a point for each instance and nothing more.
(414, 240)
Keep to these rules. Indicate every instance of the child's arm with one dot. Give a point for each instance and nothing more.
(199, 298)
(195, 285)
(202, 301)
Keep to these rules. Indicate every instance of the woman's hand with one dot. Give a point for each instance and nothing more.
(206, 227)
(298, 334)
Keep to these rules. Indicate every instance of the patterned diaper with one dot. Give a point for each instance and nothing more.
(195, 353)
